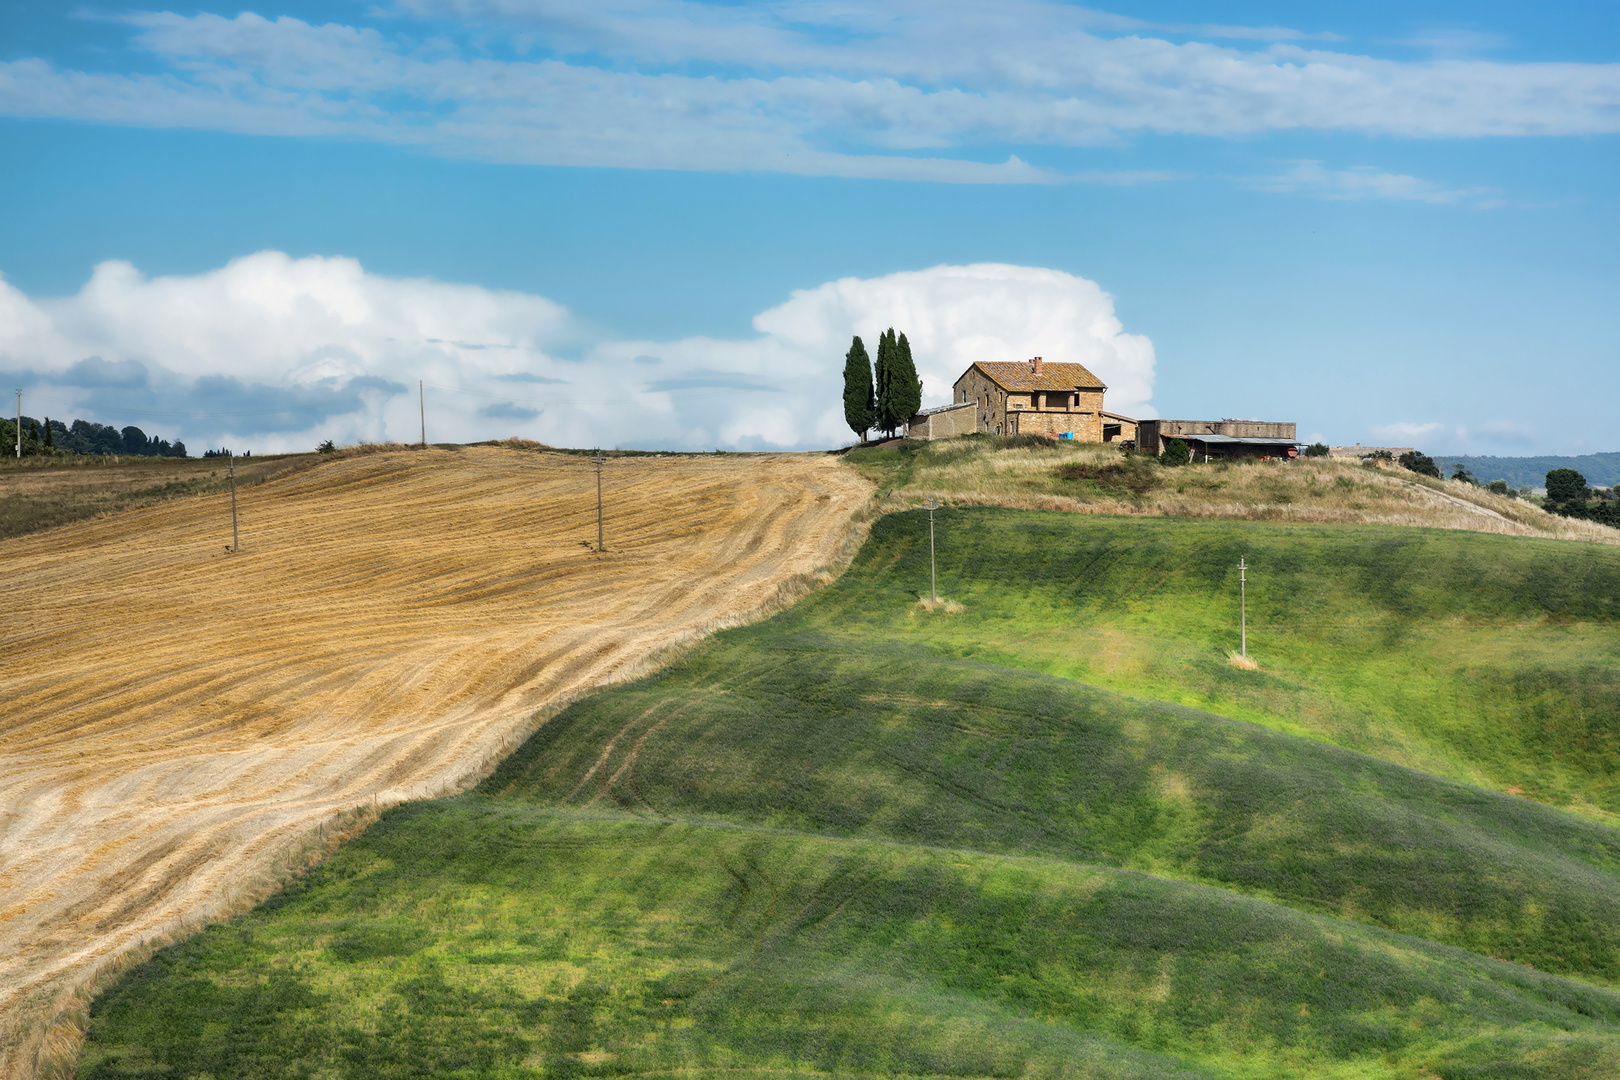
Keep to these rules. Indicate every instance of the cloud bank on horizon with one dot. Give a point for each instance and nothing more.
(893, 89)
(272, 353)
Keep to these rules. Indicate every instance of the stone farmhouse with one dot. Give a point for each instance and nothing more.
(1065, 401)
(1028, 397)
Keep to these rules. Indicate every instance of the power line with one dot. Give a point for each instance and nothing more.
(1243, 603)
(598, 459)
(236, 543)
(933, 574)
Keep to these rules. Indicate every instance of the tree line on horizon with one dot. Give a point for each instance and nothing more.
(883, 395)
(54, 438)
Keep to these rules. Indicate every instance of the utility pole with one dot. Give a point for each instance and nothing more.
(230, 466)
(19, 425)
(933, 575)
(599, 459)
(421, 398)
(1243, 603)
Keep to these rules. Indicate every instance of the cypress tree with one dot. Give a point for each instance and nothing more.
(887, 407)
(50, 443)
(860, 403)
(908, 386)
(899, 391)
(880, 372)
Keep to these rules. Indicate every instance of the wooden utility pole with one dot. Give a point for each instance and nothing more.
(230, 468)
(933, 574)
(599, 459)
(421, 399)
(19, 425)
(1243, 604)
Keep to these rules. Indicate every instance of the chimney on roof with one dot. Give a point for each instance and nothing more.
(1037, 363)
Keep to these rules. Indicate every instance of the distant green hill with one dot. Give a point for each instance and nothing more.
(1600, 470)
(1038, 837)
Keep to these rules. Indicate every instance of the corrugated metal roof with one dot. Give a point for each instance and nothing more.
(946, 408)
(1019, 376)
(1227, 440)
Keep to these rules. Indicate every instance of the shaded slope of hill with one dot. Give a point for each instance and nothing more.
(798, 732)
(865, 839)
(476, 937)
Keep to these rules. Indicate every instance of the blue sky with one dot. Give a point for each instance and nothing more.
(657, 223)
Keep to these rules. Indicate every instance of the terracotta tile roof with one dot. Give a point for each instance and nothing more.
(1019, 376)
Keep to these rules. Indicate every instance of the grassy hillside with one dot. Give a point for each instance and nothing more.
(799, 733)
(480, 937)
(1033, 472)
(1483, 658)
(863, 838)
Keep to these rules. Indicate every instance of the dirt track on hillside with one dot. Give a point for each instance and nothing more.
(178, 717)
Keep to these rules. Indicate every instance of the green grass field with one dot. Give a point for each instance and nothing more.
(1054, 834)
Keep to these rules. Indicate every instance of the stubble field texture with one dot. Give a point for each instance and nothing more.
(183, 723)
(1045, 829)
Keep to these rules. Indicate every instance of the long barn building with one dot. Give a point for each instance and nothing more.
(1210, 439)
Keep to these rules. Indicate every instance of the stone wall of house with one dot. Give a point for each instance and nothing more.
(1045, 412)
(991, 401)
(1054, 412)
(944, 423)
(1083, 426)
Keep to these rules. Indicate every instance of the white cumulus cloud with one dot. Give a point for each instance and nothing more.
(276, 353)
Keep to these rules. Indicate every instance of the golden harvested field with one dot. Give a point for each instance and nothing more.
(180, 719)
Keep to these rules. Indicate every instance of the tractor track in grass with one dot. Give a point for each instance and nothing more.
(179, 718)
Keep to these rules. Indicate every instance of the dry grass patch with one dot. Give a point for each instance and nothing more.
(1044, 474)
(515, 443)
(44, 493)
(949, 607)
(1246, 663)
